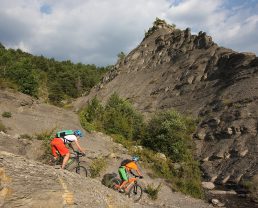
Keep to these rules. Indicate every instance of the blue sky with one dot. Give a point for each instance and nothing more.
(95, 31)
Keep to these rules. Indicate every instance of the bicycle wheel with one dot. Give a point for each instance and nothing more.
(81, 170)
(113, 182)
(135, 192)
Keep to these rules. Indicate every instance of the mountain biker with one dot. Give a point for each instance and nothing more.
(128, 166)
(58, 144)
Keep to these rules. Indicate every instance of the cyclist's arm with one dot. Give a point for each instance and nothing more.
(137, 171)
(78, 146)
(71, 146)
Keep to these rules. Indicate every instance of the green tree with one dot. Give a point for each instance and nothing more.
(22, 73)
(170, 132)
(121, 118)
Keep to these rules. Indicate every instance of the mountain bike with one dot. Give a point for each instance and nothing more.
(133, 189)
(74, 164)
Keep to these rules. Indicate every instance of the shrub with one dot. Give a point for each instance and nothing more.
(7, 114)
(170, 133)
(117, 117)
(91, 116)
(121, 118)
(97, 166)
(152, 191)
(46, 137)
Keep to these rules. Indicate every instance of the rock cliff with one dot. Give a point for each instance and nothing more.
(173, 68)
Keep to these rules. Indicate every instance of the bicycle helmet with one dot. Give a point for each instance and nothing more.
(78, 133)
(135, 158)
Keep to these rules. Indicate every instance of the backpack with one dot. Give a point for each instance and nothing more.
(107, 179)
(124, 162)
(63, 133)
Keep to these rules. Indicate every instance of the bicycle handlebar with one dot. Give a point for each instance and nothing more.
(79, 154)
(137, 176)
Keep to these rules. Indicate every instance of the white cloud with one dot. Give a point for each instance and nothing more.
(95, 31)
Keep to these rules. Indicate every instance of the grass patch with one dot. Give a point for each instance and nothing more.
(152, 191)
(97, 166)
(26, 136)
(7, 114)
(6, 83)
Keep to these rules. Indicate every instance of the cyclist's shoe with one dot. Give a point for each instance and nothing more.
(117, 187)
(121, 190)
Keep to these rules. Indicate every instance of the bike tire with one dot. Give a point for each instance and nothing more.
(113, 182)
(81, 170)
(135, 192)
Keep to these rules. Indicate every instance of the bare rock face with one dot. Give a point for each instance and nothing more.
(26, 183)
(31, 116)
(173, 69)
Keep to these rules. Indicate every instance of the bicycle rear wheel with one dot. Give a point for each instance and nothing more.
(113, 182)
(135, 192)
(81, 170)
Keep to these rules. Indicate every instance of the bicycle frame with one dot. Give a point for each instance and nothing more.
(131, 182)
(75, 158)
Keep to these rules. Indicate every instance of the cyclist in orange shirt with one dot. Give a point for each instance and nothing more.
(128, 166)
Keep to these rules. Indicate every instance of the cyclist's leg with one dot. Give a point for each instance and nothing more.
(124, 176)
(66, 158)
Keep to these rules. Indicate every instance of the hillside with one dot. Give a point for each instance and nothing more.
(172, 68)
(26, 182)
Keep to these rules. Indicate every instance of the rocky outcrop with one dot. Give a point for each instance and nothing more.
(26, 183)
(172, 68)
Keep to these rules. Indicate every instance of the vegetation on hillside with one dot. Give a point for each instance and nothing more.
(49, 79)
(156, 25)
(167, 132)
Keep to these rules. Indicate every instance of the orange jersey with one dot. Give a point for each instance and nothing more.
(131, 166)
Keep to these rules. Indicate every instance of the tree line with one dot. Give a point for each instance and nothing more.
(54, 81)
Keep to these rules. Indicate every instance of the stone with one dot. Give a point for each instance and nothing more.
(229, 131)
(112, 155)
(225, 179)
(201, 134)
(137, 148)
(161, 156)
(208, 185)
(243, 153)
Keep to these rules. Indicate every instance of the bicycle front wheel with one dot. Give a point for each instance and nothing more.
(82, 171)
(135, 192)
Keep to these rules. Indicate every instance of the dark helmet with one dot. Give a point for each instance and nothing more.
(78, 133)
(135, 158)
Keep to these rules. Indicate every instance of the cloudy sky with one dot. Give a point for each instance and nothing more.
(95, 31)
